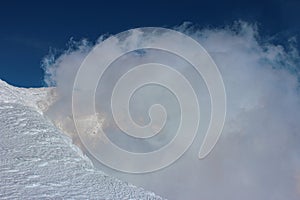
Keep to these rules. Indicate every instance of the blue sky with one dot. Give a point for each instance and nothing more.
(30, 28)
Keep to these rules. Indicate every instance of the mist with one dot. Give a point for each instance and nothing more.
(258, 154)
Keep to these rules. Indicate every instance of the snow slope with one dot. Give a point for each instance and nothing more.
(38, 161)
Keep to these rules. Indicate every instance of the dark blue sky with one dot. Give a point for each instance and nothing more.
(29, 28)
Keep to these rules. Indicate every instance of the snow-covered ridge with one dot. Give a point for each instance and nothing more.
(38, 161)
(38, 98)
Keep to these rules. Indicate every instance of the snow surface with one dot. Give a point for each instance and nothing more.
(38, 161)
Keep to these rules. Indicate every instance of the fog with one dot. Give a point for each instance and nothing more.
(258, 153)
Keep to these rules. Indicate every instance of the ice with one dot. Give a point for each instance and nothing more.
(38, 161)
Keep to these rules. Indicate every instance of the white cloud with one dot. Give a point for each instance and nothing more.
(257, 156)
